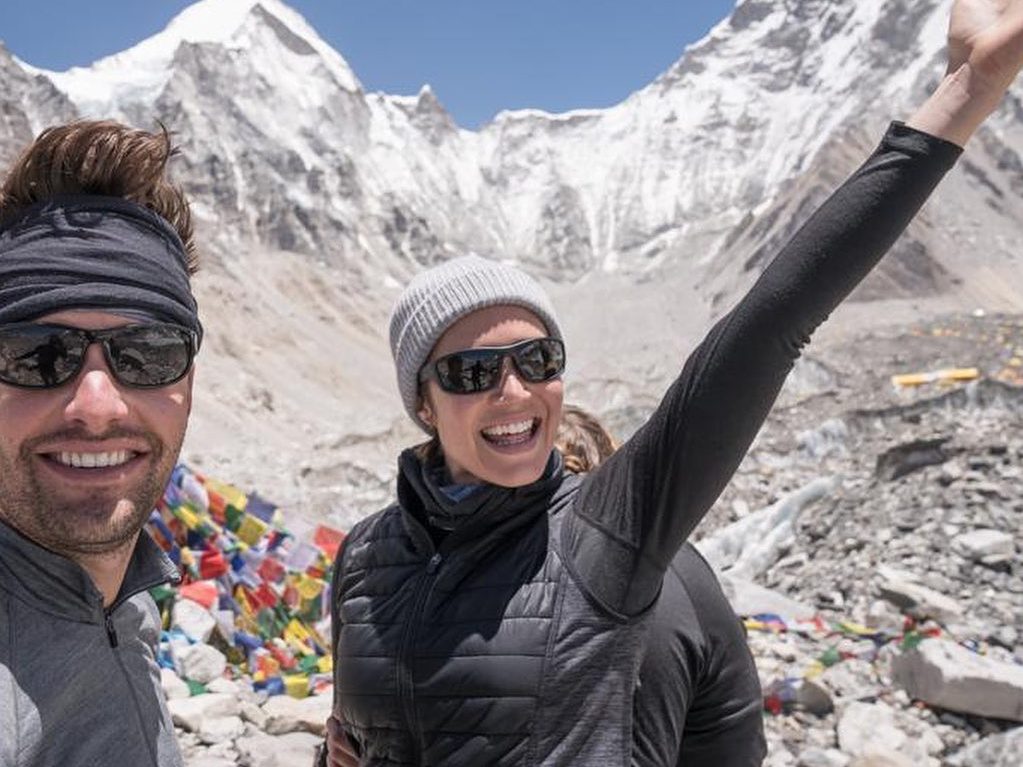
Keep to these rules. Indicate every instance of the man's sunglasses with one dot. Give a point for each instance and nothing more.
(476, 370)
(142, 356)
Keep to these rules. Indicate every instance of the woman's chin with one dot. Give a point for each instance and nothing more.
(515, 470)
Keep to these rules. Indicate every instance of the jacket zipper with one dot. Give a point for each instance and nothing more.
(406, 683)
(108, 621)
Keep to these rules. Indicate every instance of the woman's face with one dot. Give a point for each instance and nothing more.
(503, 436)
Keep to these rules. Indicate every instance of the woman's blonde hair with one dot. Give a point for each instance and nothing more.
(583, 440)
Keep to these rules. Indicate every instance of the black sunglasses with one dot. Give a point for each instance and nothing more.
(142, 356)
(474, 370)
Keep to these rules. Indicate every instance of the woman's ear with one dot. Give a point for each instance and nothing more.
(425, 412)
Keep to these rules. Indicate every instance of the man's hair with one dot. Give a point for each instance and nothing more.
(101, 157)
(583, 440)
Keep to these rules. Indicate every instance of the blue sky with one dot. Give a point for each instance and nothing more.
(480, 56)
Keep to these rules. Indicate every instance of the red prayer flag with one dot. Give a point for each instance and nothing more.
(328, 540)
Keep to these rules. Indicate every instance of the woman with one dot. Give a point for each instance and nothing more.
(496, 613)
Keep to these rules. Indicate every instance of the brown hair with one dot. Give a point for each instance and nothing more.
(101, 157)
(582, 440)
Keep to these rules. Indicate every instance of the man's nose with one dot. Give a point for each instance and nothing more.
(97, 401)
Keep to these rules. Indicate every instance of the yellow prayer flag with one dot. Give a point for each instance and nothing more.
(252, 529)
(188, 517)
(230, 493)
(308, 588)
(297, 686)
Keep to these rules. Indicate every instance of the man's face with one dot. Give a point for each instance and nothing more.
(83, 464)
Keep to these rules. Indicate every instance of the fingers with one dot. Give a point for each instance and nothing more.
(340, 751)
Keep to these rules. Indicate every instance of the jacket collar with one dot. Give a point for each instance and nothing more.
(488, 507)
(58, 586)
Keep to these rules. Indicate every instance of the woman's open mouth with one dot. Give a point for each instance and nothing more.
(512, 434)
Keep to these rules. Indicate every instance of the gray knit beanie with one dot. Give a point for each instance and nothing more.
(438, 297)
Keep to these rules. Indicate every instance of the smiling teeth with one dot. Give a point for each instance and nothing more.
(94, 460)
(509, 429)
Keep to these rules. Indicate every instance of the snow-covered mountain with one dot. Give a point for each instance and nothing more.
(283, 146)
(317, 198)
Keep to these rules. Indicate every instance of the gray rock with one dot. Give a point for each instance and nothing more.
(173, 685)
(295, 749)
(195, 620)
(203, 664)
(209, 761)
(852, 679)
(1004, 750)
(874, 731)
(252, 713)
(190, 713)
(820, 757)
(229, 686)
(917, 600)
(945, 674)
(987, 546)
(748, 598)
(221, 729)
(883, 615)
(286, 714)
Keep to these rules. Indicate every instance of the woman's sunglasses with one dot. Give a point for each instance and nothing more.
(476, 370)
(142, 356)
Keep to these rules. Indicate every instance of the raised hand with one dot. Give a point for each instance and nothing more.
(985, 53)
(987, 35)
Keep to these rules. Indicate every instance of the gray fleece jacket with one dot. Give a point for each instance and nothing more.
(79, 684)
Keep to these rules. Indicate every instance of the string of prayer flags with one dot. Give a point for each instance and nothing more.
(266, 592)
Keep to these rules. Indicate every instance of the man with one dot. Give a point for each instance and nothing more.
(98, 331)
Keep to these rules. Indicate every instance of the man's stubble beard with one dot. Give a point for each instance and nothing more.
(94, 524)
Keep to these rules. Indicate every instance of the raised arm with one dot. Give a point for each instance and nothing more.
(633, 513)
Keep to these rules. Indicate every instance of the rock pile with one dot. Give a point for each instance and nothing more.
(232, 724)
(916, 542)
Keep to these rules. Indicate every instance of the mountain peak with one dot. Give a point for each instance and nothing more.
(140, 72)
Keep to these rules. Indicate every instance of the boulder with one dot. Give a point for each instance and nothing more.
(903, 591)
(906, 458)
(221, 729)
(852, 679)
(193, 619)
(947, 675)
(190, 713)
(1002, 750)
(202, 663)
(748, 598)
(820, 757)
(252, 713)
(296, 748)
(874, 734)
(173, 685)
(989, 547)
(285, 714)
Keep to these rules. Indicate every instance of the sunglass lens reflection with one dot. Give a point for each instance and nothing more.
(146, 356)
(39, 357)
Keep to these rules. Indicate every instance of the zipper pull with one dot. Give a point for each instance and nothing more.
(434, 563)
(111, 631)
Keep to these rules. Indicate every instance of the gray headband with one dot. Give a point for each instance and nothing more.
(93, 252)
